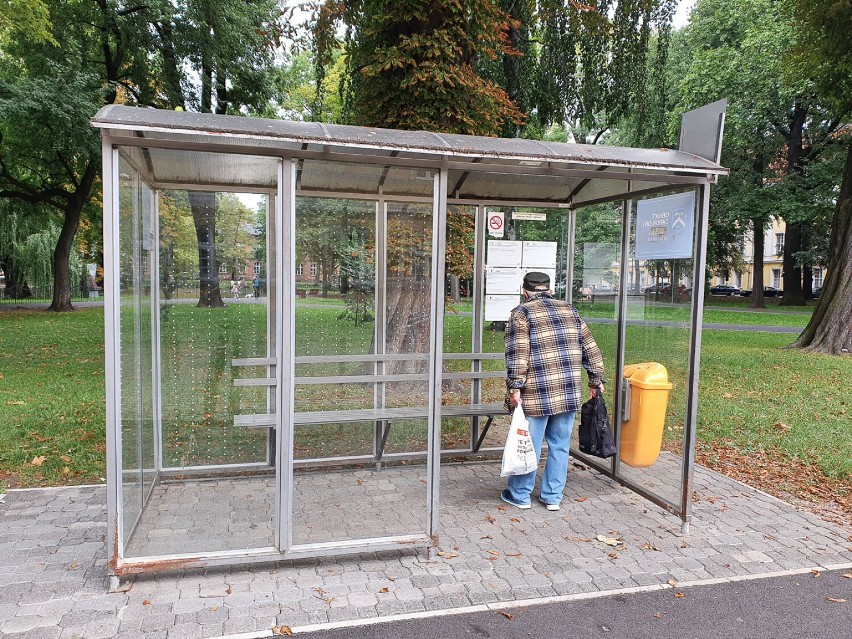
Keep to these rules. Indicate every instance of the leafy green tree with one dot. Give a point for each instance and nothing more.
(823, 53)
(413, 65)
(27, 18)
(49, 155)
(213, 56)
(775, 129)
(197, 54)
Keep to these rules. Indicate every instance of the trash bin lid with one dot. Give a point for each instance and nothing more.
(648, 375)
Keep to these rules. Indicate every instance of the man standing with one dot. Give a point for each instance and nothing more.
(547, 348)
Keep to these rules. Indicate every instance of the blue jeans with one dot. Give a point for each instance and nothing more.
(557, 430)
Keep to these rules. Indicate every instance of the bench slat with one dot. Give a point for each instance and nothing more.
(256, 381)
(370, 415)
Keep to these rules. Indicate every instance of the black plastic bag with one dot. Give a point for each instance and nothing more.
(595, 434)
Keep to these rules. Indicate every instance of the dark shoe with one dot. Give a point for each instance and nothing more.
(551, 507)
(507, 497)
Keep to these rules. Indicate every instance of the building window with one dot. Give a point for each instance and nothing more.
(223, 268)
(313, 270)
(779, 244)
(818, 275)
(256, 268)
(299, 269)
(776, 278)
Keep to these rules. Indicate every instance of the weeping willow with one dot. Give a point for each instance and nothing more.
(37, 258)
(27, 243)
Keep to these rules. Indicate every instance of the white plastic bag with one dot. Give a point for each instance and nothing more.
(518, 454)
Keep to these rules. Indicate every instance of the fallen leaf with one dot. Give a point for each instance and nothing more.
(486, 537)
(609, 541)
(448, 555)
(727, 395)
(489, 519)
(493, 552)
(656, 615)
(506, 614)
(228, 590)
(678, 595)
(38, 461)
(360, 482)
(214, 608)
(570, 538)
(816, 573)
(72, 567)
(66, 471)
(516, 520)
(145, 602)
(385, 589)
(329, 600)
(781, 427)
(848, 575)
(835, 600)
(672, 583)
(580, 499)
(513, 554)
(391, 578)
(502, 508)
(282, 631)
(613, 555)
(65, 458)
(647, 546)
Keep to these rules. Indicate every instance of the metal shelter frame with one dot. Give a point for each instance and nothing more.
(204, 152)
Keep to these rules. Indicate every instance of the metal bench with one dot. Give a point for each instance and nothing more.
(383, 415)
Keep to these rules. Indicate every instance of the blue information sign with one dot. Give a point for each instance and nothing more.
(664, 227)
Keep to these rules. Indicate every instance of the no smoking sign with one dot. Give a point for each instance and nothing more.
(495, 223)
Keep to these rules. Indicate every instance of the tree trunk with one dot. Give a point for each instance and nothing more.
(203, 205)
(62, 254)
(792, 275)
(455, 291)
(758, 243)
(830, 328)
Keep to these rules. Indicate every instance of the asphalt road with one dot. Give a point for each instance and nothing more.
(787, 607)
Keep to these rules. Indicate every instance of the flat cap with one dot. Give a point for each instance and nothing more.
(536, 280)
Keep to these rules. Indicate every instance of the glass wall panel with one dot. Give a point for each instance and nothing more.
(136, 258)
(212, 309)
(659, 312)
(350, 332)
(533, 240)
(459, 322)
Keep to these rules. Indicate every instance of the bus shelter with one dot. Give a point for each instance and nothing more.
(303, 319)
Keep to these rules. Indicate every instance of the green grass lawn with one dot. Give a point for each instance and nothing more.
(754, 392)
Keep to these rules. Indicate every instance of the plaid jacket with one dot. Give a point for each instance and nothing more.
(547, 348)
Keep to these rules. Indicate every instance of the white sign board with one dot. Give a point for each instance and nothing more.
(539, 255)
(495, 221)
(529, 215)
(505, 253)
(664, 227)
(503, 281)
(499, 307)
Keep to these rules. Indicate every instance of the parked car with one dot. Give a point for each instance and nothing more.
(768, 291)
(660, 287)
(815, 292)
(724, 289)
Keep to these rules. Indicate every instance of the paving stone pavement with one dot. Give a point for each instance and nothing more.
(54, 579)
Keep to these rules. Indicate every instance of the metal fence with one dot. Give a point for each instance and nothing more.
(44, 295)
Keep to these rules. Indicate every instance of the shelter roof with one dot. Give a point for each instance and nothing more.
(480, 167)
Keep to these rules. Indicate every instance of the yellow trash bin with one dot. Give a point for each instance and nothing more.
(647, 398)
